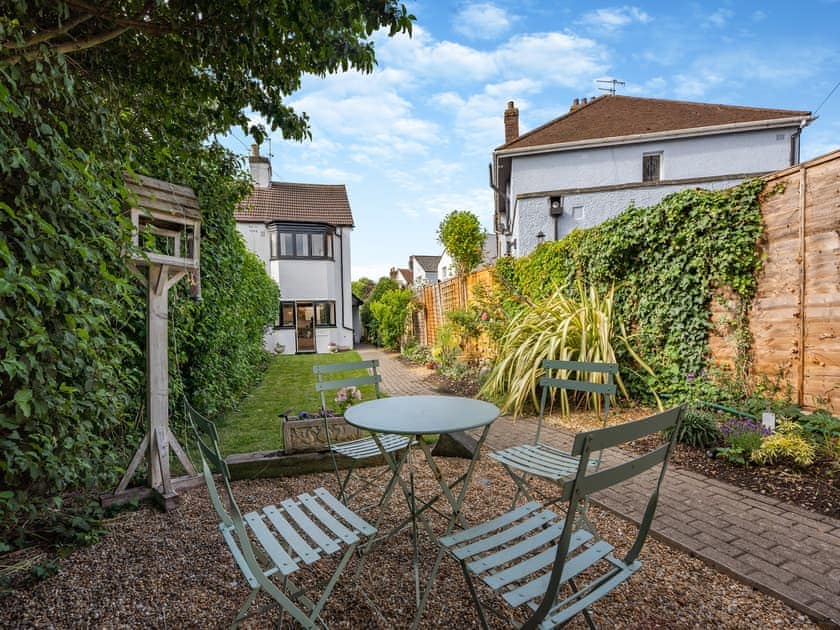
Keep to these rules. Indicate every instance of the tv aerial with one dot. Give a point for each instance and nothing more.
(609, 85)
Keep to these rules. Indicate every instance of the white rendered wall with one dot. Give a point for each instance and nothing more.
(689, 158)
(308, 280)
(256, 240)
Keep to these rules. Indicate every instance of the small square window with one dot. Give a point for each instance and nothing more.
(651, 167)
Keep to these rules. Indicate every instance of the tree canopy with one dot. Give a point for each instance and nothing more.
(461, 234)
(204, 63)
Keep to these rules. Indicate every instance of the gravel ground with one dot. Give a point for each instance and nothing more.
(172, 570)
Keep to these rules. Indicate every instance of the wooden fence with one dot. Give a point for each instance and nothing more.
(436, 300)
(794, 318)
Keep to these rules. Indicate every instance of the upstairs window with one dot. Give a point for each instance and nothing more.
(651, 167)
(301, 241)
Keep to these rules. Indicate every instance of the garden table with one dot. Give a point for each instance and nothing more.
(418, 416)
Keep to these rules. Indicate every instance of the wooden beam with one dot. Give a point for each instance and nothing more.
(180, 453)
(132, 467)
(800, 377)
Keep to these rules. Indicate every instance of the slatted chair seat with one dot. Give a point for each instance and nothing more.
(332, 377)
(540, 460)
(543, 460)
(365, 448)
(536, 558)
(272, 544)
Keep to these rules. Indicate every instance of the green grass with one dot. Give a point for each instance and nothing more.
(288, 385)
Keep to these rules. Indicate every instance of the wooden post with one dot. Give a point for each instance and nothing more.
(157, 368)
(800, 377)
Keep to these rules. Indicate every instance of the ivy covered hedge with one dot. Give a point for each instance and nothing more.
(665, 262)
(72, 317)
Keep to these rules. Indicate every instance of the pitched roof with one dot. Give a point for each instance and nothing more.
(612, 116)
(427, 263)
(304, 203)
(407, 274)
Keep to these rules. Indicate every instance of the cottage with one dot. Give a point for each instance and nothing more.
(610, 152)
(302, 234)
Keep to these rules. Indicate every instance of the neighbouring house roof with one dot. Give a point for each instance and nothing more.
(427, 263)
(408, 275)
(304, 203)
(614, 116)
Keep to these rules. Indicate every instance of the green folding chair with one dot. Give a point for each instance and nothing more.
(272, 544)
(544, 461)
(364, 448)
(538, 561)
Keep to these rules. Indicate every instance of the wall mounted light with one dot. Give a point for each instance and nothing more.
(540, 238)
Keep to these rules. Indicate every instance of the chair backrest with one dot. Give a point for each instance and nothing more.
(326, 384)
(585, 483)
(232, 523)
(593, 378)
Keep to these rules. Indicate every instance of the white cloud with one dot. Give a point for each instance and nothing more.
(557, 58)
(612, 19)
(325, 175)
(554, 58)
(719, 18)
(482, 20)
(433, 207)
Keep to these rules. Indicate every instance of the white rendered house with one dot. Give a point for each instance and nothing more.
(302, 234)
(613, 151)
(424, 269)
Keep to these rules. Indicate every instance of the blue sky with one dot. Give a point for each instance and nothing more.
(413, 140)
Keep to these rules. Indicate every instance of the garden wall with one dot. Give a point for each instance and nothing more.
(794, 318)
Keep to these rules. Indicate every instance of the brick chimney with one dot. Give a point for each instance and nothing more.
(260, 168)
(511, 123)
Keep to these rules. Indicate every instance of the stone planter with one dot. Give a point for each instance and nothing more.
(302, 436)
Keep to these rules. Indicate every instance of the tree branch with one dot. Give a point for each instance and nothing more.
(137, 23)
(47, 35)
(91, 42)
(71, 47)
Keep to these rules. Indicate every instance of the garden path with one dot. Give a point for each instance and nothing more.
(778, 548)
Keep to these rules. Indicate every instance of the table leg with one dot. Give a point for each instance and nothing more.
(456, 514)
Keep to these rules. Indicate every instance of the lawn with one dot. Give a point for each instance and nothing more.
(288, 385)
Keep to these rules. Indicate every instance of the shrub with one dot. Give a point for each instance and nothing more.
(699, 428)
(742, 436)
(390, 312)
(826, 428)
(417, 353)
(555, 328)
(781, 447)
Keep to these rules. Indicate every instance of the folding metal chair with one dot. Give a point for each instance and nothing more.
(364, 448)
(546, 461)
(539, 560)
(272, 544)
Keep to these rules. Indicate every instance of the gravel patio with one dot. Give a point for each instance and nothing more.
(157, 569)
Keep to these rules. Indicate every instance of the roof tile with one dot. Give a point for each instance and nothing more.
(303, 203)
(612, 116)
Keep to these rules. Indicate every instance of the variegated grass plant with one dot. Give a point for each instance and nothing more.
(559, 328)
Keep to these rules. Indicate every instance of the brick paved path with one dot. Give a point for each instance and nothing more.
(780, 549)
